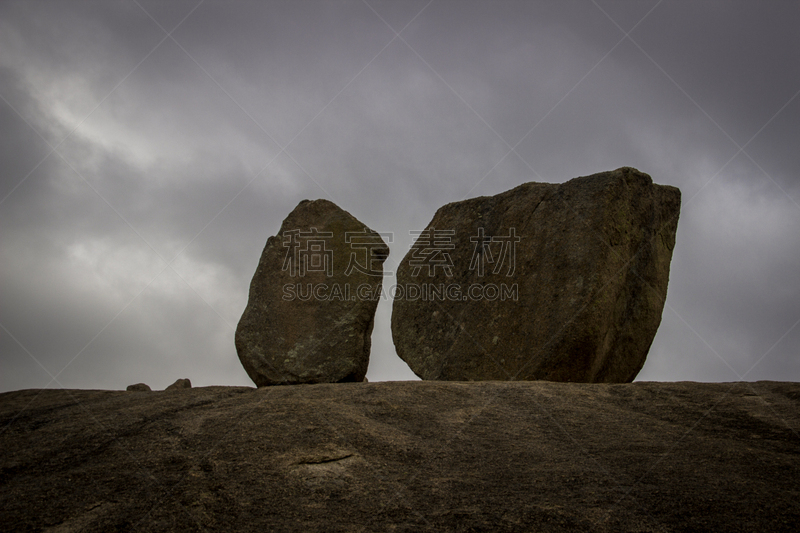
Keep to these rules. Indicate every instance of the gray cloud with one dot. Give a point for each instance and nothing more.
(127, 252)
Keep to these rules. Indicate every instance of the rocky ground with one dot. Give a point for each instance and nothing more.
(404, 456)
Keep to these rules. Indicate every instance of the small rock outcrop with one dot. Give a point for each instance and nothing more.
(312, 302)
(180, 384)
(138, 387)
(560, 282)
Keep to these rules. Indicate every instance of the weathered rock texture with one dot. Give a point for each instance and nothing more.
(138, 387)
(545, 281)
(405, 456)
(184, 383)
(312, 300)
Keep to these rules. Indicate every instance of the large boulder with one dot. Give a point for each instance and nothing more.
(312, 300)
(560, 282)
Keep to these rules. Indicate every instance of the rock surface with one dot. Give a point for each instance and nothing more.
(180, 384)
(138, 387)
(312, 300)
(545, 281)
(404, 456)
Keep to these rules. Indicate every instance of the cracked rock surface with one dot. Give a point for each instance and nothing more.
(404, 456)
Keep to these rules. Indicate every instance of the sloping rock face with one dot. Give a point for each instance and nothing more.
(404, 456)
(312, 300)
(545, 281)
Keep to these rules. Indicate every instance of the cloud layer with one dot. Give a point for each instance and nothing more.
(149, 149)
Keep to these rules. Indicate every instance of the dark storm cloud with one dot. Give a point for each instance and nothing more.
(128, 250)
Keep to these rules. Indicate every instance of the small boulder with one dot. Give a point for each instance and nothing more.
(560, 282)
(138, 387)
(310, 312)
(180, 384)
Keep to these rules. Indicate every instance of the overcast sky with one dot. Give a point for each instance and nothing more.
(150, 148)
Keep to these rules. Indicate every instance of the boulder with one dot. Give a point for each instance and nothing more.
(560, 282)
(180, 384)
(312, 300)
(138, 387)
